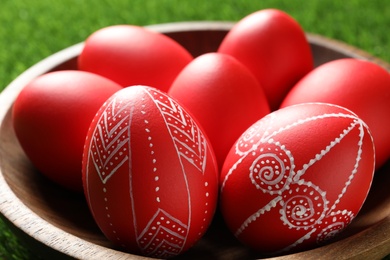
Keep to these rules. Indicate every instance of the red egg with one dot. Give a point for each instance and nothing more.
(133, 55)
(51, 117)
(149, 174)
(274, 48)
(297, 177)
(361, 86)
(223, 95)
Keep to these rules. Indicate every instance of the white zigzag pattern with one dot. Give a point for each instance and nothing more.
(150, 238)
(107, 144)
(179, 124)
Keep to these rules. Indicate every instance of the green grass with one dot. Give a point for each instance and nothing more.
(30, 30)
(33, 29)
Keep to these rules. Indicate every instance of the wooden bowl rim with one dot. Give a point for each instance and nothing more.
(23, 218)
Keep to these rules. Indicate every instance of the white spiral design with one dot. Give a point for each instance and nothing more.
(303, 205)
(333, 225)
(272, 170)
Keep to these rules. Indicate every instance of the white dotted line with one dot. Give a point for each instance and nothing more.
(154, 160)
(207, 194)
(108, 215)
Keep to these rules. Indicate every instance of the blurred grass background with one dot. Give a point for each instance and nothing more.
(31, 30)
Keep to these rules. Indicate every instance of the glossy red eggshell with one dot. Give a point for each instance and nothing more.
(297, 177)
(274, 48)
(149, 174)
(361, 86)
(51, 117)
(133, 55)
(223, 95)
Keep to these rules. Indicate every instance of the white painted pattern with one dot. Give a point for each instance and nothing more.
(191, 147)
(188, 139)
(333, 224)
(302, 205)
(272, 170)
(110, 147)
(110, 140)
(164, 236)
(252, 218)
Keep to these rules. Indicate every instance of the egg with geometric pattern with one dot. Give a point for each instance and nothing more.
(150, 176)
(297, 178)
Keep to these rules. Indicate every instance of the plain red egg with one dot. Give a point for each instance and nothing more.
(361, 86)
(274, 48)
(133, 55)
(51, 117)
(223, 95)
(297, 178)
(150, 176)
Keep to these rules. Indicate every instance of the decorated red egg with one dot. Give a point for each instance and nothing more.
(274, 48)
(51, 117)
(223, 95)
(359, 85)
(297, 177)
(150, 176)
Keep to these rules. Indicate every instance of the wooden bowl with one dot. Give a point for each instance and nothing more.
(56, 224)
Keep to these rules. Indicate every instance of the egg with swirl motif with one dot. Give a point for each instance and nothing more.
(297, 178)
(149, 174)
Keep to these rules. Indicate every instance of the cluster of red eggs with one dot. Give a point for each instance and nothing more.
(157, 138)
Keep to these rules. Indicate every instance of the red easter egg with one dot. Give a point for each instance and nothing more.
(149, 174)
(297, 177)
(274, 48)
(133, 55)
(51, 117)
(223, 96)
(361, 86)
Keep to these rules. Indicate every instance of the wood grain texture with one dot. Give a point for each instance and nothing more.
(56, 223)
